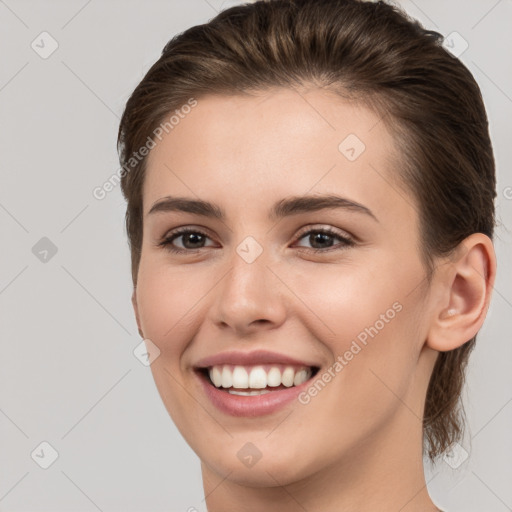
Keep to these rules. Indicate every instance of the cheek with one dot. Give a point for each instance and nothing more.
(166, 300)
(367, 318)
(347, 299)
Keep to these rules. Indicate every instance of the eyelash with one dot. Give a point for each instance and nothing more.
(167, 241)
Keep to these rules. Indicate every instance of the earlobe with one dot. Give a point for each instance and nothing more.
(136, 311)
(466, 293)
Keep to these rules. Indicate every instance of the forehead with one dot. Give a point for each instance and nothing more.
(255, 150)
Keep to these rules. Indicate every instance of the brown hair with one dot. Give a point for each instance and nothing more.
(370, 52)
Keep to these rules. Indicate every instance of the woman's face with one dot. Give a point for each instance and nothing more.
(263, 296)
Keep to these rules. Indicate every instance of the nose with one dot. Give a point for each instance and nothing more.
(249, 298)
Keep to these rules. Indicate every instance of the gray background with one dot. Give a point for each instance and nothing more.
(68, 375)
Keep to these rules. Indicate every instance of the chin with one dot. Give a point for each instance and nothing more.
(260, 464)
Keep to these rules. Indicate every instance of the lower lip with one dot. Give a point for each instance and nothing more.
(256, 405)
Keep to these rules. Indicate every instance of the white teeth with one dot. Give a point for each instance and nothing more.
(227, 377)
(273, 377)
(249, 393)
(240, 377)
(216, 376)
(257, 378)
(300, 377)
(287, 377)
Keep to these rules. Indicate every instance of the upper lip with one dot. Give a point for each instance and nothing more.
(250, 358)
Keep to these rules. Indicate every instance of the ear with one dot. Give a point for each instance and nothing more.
(136, 311)
(464, 294)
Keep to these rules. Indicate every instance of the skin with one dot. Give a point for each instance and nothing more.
(357, 446)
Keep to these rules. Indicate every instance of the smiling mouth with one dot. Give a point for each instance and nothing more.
(255, 380)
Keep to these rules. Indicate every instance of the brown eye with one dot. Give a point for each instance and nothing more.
(322, 239)
(192, 240)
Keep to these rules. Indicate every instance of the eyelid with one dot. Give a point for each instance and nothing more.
(347, 239)
(326, 228)
(186, 228)
(175, 233)
(302, 231)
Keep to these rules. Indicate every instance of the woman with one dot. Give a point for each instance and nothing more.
(310, 191)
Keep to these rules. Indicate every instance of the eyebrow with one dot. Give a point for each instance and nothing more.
(283, 208)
